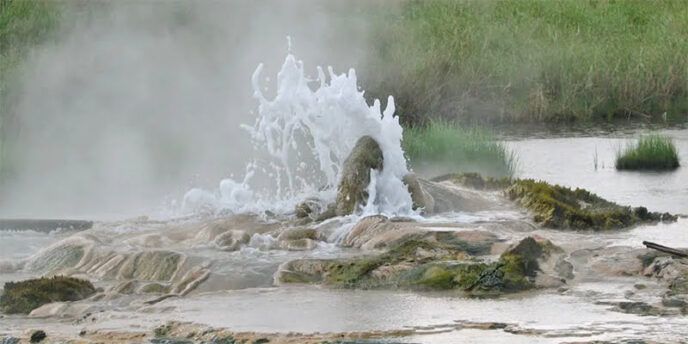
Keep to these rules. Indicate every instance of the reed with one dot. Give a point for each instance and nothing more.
(651, 152)
(456, 148)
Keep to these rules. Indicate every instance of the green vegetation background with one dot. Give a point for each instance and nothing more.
(535, 60)
(474, 61)
(23, 25)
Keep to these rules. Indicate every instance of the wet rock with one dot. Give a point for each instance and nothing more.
(449, 197)
(151, 266)
(555, 206)
(25, 296)
(62, 255)
(126, 287)
(672, 271)
(297, 234)
(352, 189)
(9, 340)
(170, 341)
(473, 242)
(675, 301)
(311, 207)
(421, 198)
(298, 239)
(298, 244)
(640, 308)
(154, 288)
(421, 264)
(368, 232)
(329, 212)
(232, 240)
(301, 271)
(37, 336)
(540, 261)
(609, 261)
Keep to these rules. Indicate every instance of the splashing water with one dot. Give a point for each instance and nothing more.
(307, 134)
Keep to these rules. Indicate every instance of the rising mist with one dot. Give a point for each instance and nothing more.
(136, 102)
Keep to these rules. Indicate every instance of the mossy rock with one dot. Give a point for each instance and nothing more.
(418, 264)
(352, 189)
(357, 272)
(556, 206)
(25, 296)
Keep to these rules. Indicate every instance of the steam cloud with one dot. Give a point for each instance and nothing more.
(139, 101)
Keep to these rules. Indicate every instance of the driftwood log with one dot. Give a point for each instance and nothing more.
(665, 249)
(44, 225)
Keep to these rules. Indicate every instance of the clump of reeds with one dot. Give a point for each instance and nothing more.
(650, 152)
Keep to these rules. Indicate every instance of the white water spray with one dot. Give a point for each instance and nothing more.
(307, 135)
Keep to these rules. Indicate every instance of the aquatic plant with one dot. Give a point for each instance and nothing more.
(554, 61)
(457, 148)
(27, 295)
(650, 152)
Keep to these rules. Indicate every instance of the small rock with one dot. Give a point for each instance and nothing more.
(232, 240)
(37, 336)
(9, 340)
(674, 302)
(298, 245)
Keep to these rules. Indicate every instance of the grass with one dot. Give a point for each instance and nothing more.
(536, 60)
(23, 25)
(449, 146)
(651, 152)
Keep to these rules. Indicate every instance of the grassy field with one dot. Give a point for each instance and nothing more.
(537, 60)
(442, 147)
(23, 25)
(651, 152)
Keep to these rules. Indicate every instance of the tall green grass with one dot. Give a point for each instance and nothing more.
(653, 152)
(442, 147)
(23, 25)
(533, 60)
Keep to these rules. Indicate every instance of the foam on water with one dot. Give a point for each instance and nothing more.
(307, 133)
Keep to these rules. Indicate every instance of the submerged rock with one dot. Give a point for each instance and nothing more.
(25, 296)
(232, 240)
(351, 192)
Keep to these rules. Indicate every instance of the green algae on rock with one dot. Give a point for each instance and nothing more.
(25, 296)
(351, 192)
(556, 206)
(427, 265)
